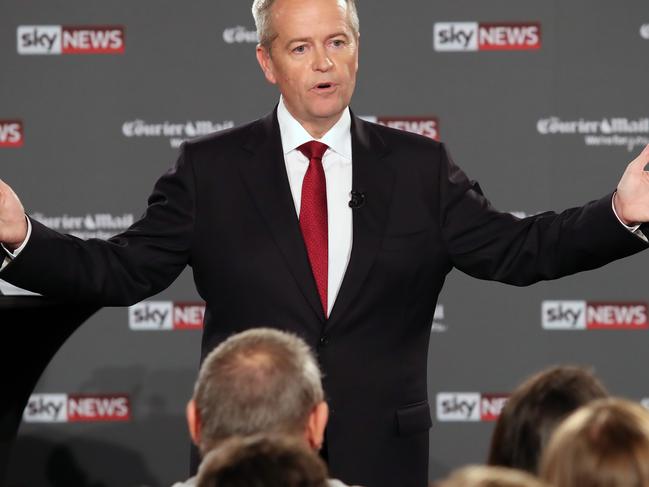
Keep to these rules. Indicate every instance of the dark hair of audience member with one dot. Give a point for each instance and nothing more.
(262, 461)
(534, 410)
(489, 476)
(603, 444)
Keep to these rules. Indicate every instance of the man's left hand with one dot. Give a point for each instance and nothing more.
(631, 200)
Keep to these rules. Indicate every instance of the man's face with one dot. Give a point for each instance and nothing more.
(313, 59)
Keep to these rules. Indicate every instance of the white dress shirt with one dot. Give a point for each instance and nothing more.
(337, 164)
(9, 255)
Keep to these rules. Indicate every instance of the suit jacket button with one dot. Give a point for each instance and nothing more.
(324, 341)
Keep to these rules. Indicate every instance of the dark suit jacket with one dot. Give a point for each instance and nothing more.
(226, 210)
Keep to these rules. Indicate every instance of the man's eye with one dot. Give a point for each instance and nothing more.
(299, 49)
(338, 42)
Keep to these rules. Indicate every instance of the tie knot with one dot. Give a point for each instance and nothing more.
(313, 149)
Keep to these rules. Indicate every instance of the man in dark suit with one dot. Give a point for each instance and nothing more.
(383, 217)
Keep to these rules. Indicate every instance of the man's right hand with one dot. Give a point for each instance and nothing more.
(13, 225)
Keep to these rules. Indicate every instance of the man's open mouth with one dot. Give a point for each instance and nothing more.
(324, 86)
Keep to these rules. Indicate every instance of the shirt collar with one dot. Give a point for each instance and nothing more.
(293, 135)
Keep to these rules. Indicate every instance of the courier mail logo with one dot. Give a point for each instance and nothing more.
(239, 35)
(57, 39)
(469, 406)
(75, 408)
(474, 36)
(11, 133)
(166, 315)
(582, 315)
(426, 126)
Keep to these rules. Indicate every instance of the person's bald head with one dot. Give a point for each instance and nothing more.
(259, 381)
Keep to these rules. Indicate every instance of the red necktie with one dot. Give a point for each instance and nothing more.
(313, 216)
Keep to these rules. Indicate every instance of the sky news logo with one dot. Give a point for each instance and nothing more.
(426, 126)
(11, 133)
(582, 315)
(58, 39)
(486, 36)
(77, 408)
(166, 315)
(470, 406)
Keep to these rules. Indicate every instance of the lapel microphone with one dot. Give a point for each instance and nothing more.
(357, 201)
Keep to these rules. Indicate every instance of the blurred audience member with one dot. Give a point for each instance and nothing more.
(533, 411)
(259, 461)
(489, 476)
(603, 444)
(260, 381)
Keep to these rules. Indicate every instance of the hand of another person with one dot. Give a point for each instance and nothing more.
(631, 200)
(13, 225)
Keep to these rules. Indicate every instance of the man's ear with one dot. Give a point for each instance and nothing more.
(316, 425)
(358, 46)
(266, 63)
(193, 422)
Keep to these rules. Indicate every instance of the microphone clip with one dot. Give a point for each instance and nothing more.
(357, 200)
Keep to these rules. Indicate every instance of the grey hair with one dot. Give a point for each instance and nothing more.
(258, 381)
(262, 14)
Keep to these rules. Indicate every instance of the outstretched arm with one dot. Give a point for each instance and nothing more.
(13, 224)
(126, 268)
(631, 200)
(492, 245)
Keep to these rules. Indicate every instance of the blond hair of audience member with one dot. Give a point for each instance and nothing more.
(490, 476)
(269, 461)
(605, 443)
(259, 381)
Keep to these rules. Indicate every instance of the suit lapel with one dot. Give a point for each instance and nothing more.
(265, 177)
(372, 176)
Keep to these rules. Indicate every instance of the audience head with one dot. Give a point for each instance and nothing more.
(490, 476)
(258, 461)
(534, 409)
(605, 443)
(259, 381)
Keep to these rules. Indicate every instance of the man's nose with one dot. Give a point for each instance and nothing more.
(322, 61)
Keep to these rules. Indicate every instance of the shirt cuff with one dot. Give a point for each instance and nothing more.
(635, 230)
(9, 255)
